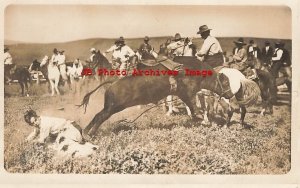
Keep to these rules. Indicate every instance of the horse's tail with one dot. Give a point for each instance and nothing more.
(86, 98)
(250, 93)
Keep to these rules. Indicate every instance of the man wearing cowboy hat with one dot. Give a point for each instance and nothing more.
(239, 56)
(211, 51)
(123, 53)
(8, 64)
(179, 48)
(113, 49)
(145, 50)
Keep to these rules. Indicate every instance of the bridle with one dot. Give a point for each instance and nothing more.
(222, 89)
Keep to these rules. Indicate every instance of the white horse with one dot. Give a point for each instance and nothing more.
(74, 72)
(53, 74)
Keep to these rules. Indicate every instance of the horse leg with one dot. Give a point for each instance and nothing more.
(22, 87)
(225, 104)
(170, 105)
(56, 86)
(99, 118)
(52, 87)
(26, 88)
(243, 114)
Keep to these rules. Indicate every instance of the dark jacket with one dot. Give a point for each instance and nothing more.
(267, 56)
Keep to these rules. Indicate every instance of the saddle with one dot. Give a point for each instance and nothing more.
(169, 64)
(150, 62)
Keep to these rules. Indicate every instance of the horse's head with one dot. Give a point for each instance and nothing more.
(163, 50)
(222, 86)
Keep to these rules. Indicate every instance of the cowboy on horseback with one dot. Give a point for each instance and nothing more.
(61, 63)
(211, 51)
(239, 58)
(123, 54)
(145, 50)
(8, 64)
(212, 54)
(113, 49)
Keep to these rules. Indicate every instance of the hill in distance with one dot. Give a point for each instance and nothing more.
(25, 53)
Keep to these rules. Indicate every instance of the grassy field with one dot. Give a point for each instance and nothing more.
(155, 143)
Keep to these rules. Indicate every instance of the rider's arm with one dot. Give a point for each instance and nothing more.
(204, 49)
(278, 55)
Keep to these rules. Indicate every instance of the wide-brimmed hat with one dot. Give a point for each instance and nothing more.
(202, 29)
(61, 51)
(146, 38)
(92, 49)
(240, 41)
(177, 37)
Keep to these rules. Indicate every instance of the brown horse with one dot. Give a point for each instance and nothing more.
(140, 90)
(23, 76)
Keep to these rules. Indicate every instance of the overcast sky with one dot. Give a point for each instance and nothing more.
(59, 23)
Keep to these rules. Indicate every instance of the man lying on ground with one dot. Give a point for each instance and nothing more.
(69, 138)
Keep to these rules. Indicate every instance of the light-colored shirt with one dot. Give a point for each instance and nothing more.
(7, 58)
(49, 125)
(267, 48)
(240, 55)
(61, 58)
(210, 46)
(278, 53)
(113, 49)
(235, 77)
(123, 52)
(76, 70)
(54, 58)
(181, 49)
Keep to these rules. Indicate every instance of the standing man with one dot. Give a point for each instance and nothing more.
(211, 51)
(266, 54)
(8, 64)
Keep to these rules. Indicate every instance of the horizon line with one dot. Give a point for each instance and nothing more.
(114, 38)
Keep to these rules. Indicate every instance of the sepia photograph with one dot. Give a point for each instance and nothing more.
(147, 89)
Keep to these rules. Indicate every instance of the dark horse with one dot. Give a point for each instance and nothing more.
(140, 90)
(23, 76)
(267, 87)
(99, 62)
